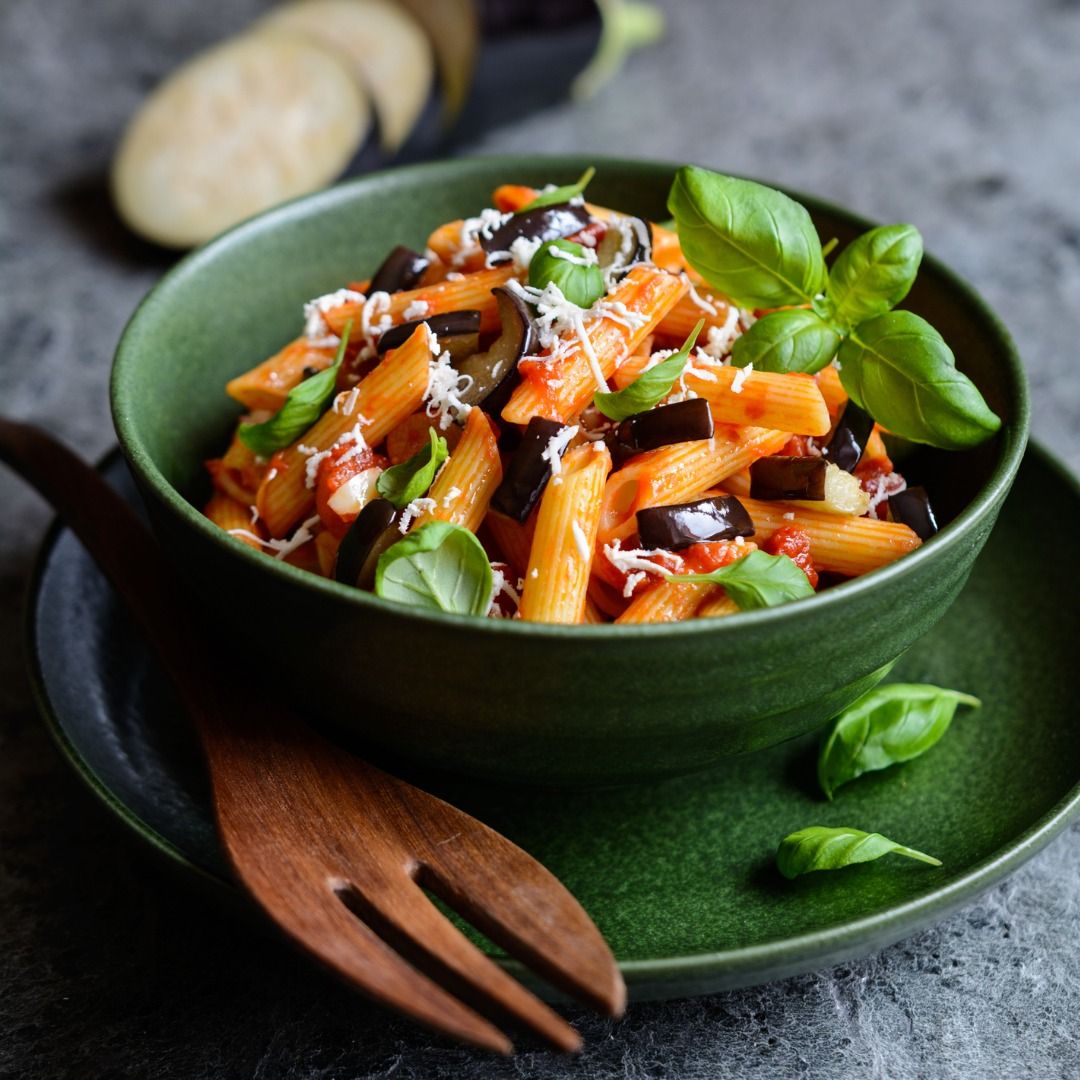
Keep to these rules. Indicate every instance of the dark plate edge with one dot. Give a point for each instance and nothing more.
(663, 978)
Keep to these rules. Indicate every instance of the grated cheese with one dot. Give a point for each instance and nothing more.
(375, 305)
(556, 447)
(445, 385)
(451, 496)
(587, 258)
(741, 376)
(316, 329)
(719, 339)
(414, 510)
(416, 310)
(472, 229)
(522, 250)
(698, 299)
(581, 542)
(641, 559)
(500, 586)
(632, 582)
(281, 548)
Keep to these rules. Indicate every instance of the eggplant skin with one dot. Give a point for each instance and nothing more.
(678, 526)
(448, 324)
(400, 270)
(527, 472)
(911, 507)
(779, 477)
(544, 223)
(373, 531)
(685, 421)
(845, 447)
(494, 373)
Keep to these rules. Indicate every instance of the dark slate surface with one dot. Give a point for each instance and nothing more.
(962, 117)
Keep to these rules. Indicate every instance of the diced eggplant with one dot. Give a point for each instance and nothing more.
(843, 494)
(626, 243)
(912, 508)
(788, 478)
(373, 531)
(849, 437)
(494, 373)
(458, 333)
(544, 223)
(685, 421)
(527, 472)
(401, 269)
(675, 527)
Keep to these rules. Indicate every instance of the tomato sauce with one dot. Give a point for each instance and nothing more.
(795, 544)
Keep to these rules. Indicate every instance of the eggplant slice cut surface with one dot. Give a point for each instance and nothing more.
(673, 528)
(373, 531)
(401, 269)
(494, 373)
(252, 122)
(628, 241)
(527, 472)
(544, 223)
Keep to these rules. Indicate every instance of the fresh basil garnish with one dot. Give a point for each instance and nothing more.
(650, 387)
(439, 567)
(819, 848)
(898, 368)
(752, 243)
(890, 724)
(400, 484)
(874, 273)
(796, 339)
(561, 194)
(757, 580)
(578, 279)
(304, 404)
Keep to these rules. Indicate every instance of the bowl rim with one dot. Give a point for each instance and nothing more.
(1013, 434)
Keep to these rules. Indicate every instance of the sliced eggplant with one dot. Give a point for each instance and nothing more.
(628, 241)
(373, 531)
(544, 223)
(675, 527)
(458, 333)
(788, 478)
(849, 437)
(527, 472)
(401, 269)
(912, 508)
(209, 148)
(494, 373)
(685, 421)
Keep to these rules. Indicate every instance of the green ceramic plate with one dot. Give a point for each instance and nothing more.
(679, 874)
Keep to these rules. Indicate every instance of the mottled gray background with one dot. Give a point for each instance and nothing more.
(961, 117)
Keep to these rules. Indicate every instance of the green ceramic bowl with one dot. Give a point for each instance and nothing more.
(511, 700)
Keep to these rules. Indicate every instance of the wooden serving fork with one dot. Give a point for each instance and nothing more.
(337, 852)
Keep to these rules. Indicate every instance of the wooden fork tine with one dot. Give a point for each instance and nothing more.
(412, 915)
(326, 928)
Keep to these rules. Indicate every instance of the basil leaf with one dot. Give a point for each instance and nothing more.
(304, 404)
(650, 387)
(439, 567)
(580, 281)
(819, 848)
(890, 724)
(874, 273)
(750, 242)
(793, 340)
(898, 368)
(409, 480)
(561, 194)
(757, 580)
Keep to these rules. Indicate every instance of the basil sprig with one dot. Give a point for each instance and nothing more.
(304, 404)
(400, 484)
(819, 848)
(580, 282)
(890, 724)
(650, 387)
(757, 580)
(760, 248)
(439, 567)
(561, 194)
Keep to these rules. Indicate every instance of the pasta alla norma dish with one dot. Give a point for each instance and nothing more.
(544, 417)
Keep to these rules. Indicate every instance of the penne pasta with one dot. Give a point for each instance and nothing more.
(394, 390)
(557, 582)
(234, 517)
(467, 481)
(514, 541)
(667, 601)
(715, 605)
(697, 304)
(267, 384)
(832, 389)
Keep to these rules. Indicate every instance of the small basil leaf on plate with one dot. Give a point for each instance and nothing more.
(439, 567)
(572, 267)
(561, 194)
(874, 273)
(794, 340)
(819, 848)
(304, 404)
(750, 242)
(650, 387)
(757, 580)
(890, 724)
(898, 368)
(400, 484)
